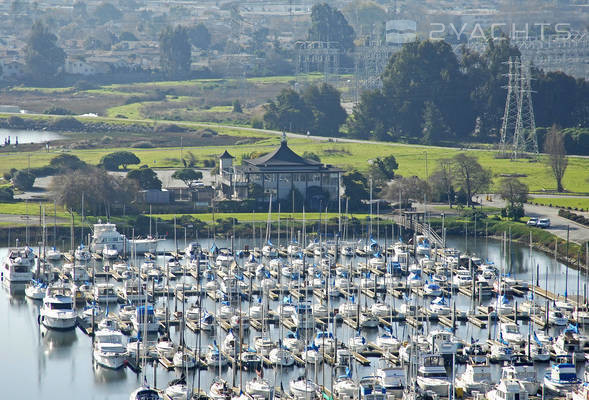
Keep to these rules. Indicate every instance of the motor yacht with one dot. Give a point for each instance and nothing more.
(525, 373)
(508, 389)
(432, 375)
(105, 293)
(145, 323)
(58, 311)
(103, 234)
(18, 264)
(110, 350)
(562, 376)
(476, 377)
(511, 333)
(370, 388)
(393, 380)
(568, 343)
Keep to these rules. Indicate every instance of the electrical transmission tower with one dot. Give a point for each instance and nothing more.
(525, 140)
(518, 129)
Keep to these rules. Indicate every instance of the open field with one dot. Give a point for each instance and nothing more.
(411, 159)
(572, 202)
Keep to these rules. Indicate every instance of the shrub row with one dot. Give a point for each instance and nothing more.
(573, 217)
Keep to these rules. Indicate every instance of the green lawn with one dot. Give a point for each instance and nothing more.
(32, 208)
(573, 202)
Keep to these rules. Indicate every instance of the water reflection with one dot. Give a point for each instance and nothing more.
(57, 344)
(105, 375)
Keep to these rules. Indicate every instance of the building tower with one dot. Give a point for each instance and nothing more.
(226, 165)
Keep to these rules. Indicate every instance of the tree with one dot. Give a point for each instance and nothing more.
(356, 189)
(99, 188)
(557, 158)
(23, 180)
(325, 104)
(113, 161)
(43, 57)
(441, 182)
(175, 52)
(422, 72)
(237, 106)
(383, 169)
(189, 176)
(513, 190)
(405, 190)
(107, 12)
(329, 25)
(199, 36)
(6, 194)
(309, 155)
(146, 178)
(516, 194)
(288, 112)
(65, 161)
(434, 128)
(470, 176)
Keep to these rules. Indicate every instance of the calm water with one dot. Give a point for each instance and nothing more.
(27, 136)
(43, 364)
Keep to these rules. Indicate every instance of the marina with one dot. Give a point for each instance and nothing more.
(206, 319)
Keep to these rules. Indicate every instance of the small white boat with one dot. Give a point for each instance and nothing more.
(82, 254)
(110, 252)
(432, 289)
(264, 345)
(184, 359)
(36, 290)
(302, 388)
(388, 342)
(165, 348)
(53, 254)
(281, 357)
(312, 355)
(357, 344)
(214, 358)
(220, 390)
(259, 387)
(145, 393)
(557, 317)
(345, 386)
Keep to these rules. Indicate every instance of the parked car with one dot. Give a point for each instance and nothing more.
(533, 221)
(543, 223)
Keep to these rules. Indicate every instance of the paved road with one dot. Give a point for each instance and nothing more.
(577, 232)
